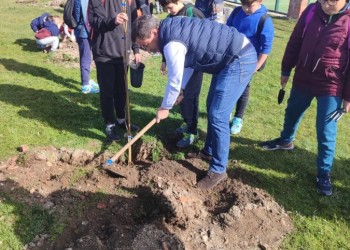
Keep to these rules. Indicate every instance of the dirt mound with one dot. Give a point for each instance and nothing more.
(147, 207)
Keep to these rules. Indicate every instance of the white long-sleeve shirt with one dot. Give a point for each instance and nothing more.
(178, 76)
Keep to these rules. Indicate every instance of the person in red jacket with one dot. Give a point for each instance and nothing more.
(318, 50)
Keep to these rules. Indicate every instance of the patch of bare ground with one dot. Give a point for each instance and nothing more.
(144, 206)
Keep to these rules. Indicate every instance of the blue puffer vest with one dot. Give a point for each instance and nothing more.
(210, 46)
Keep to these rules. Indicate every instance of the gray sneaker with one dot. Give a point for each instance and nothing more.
(112, 134)
(211, 180)
(276, 144)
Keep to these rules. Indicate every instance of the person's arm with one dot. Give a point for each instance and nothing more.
(35, 24)
(291, 53)
(98, 19)
(66, 30)
(77, 10)
(141, 4)
(346, 94)
(174, 53)
(261, 60)
(265, 41)
(135, 47)
(218, 6)
(197, 13)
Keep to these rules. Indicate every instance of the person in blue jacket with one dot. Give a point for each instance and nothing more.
(190, 44)
(247, 21)
(38, 23)
(82, 34)
(50, 23)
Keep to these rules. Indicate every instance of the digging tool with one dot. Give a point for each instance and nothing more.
(127, 99)
(110, 161)
(281, 94)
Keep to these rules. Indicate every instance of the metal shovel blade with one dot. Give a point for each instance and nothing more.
(281, 96)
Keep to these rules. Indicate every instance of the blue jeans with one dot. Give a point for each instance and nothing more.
(225, 89)
(85, 59)
(326, 129)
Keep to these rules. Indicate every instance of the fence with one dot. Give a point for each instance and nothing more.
(280, 6)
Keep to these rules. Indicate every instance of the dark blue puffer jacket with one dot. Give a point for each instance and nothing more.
(211, 46)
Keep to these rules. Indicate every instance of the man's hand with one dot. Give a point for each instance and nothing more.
(163, 68)
(137, 58)
(284, 80)
(121, 18)
(162, 114)
(180, 97)
(346, 106)
(217, 8)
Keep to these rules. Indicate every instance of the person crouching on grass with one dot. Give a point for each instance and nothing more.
(199, 44)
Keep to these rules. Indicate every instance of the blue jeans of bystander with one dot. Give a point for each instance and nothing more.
(326, 129)
(225, 89)
(85, 59)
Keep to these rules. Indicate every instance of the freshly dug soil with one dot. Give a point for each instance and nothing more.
(147, 206)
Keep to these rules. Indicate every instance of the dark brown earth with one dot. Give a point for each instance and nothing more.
(154, 206)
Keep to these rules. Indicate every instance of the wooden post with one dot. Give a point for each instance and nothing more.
(296, 7)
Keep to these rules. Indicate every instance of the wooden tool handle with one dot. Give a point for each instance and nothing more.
(137, 136)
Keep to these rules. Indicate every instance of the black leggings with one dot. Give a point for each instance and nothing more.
(242, 103)
(189, 105)
(110, 78)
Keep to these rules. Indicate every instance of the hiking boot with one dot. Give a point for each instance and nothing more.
(182, 129)
(133, 127)
(112, 133)
(211, 180)
(277, 144)
(324, 185)
(236, 126)
(201, 155)
(89, 89)
(187, 140)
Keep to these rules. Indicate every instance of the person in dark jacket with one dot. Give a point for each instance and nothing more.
(107, 19)
(82, 34)
(199, 44)
(190, 95)
(212, 9)
(318, 49)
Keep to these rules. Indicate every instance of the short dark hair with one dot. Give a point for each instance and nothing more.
(166, 2)
(143, 25)
(248, 2)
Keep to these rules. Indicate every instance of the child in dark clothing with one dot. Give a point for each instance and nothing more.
(190, 100)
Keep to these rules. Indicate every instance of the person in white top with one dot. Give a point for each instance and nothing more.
(198, 44)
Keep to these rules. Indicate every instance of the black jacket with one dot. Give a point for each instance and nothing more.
(107, 38)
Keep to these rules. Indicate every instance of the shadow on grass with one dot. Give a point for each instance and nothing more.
(290, 177)
(28, 44)
(13, 65)
(72, 111)
(74, 217)
(61, 111)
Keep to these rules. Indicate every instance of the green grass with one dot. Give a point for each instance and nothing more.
(40, 104)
